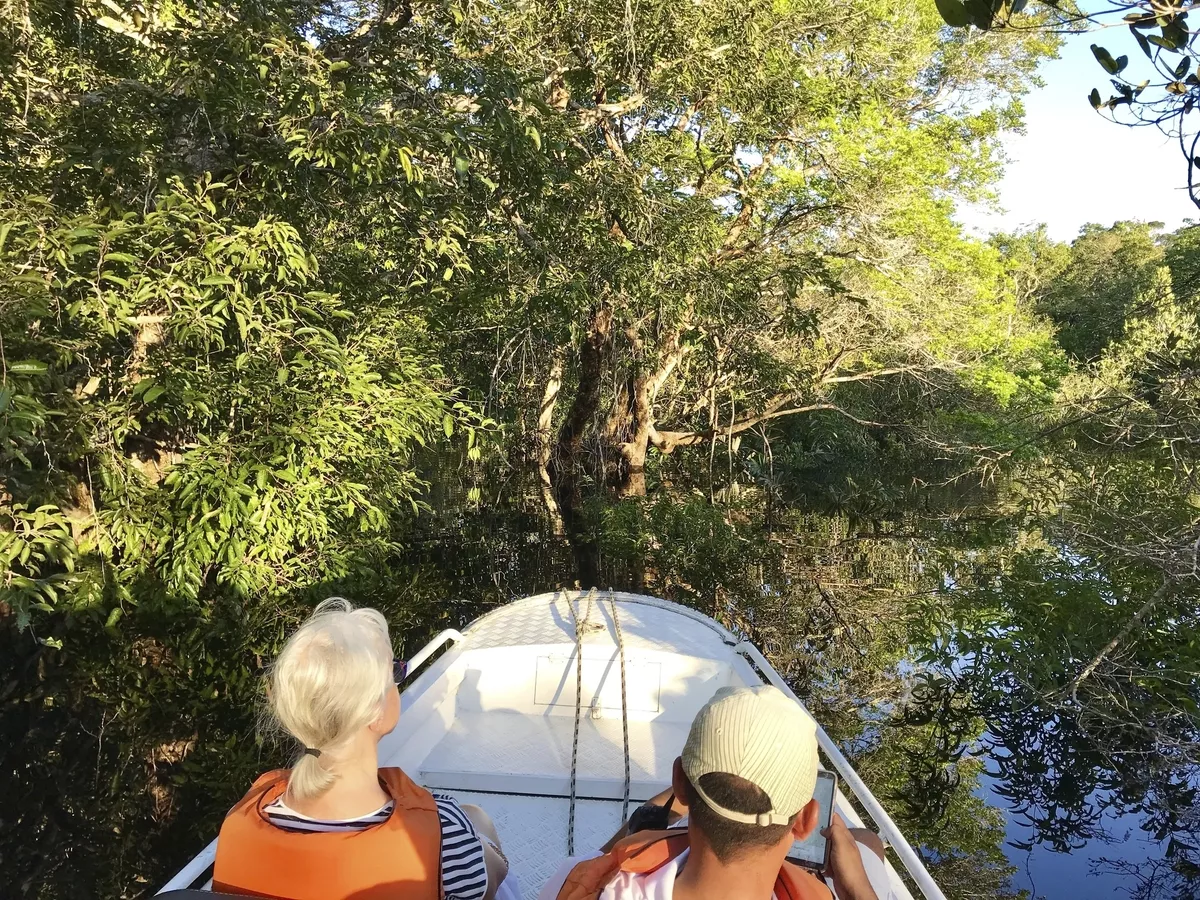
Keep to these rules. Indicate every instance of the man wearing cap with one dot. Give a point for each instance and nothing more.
(746, 778)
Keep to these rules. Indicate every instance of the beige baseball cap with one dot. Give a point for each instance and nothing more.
(760, 734)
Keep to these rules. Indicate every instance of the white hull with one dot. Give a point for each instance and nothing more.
(493, 722)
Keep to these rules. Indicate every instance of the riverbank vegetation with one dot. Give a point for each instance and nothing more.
(435, 303)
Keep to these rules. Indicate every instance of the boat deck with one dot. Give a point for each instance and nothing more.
(532, 755)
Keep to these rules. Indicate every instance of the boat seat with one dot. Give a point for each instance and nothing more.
(515, 753)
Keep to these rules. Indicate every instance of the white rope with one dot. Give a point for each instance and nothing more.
(579, 626)
(624, 703)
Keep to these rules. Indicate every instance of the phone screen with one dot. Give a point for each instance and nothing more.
(810, 852)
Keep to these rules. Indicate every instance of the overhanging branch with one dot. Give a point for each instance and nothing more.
(667, 441)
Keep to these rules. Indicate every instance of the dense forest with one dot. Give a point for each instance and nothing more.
(433, 304)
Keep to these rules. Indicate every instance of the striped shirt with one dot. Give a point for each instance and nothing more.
(464, 875)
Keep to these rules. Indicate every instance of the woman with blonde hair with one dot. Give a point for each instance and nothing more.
(336, 826)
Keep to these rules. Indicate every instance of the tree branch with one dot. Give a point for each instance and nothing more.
(1130, 626)
(391, 15)
(545, 439)
(863, 376)
(666, 441)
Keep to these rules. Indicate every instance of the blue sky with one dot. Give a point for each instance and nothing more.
(1071, 166)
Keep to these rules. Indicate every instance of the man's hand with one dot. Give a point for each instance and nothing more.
(845, 863)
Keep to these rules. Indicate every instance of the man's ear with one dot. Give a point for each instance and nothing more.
(806, 821)
(680, 785)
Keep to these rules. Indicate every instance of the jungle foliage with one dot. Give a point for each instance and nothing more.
(435, 303)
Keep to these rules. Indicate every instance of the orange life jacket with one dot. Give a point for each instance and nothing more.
(399, 858)
(648, 851)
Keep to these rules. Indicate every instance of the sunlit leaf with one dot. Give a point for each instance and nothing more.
(28, 367)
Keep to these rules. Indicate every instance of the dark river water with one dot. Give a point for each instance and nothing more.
(924, 642)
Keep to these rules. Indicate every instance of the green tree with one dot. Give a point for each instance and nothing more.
(1182, 256)
(1090, 299)
(760, 226)
(216, 362)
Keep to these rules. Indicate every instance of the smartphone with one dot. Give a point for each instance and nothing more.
(813, 852)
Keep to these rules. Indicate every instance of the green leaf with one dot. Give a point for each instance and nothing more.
(461, 165)
(4, 229)
(1182, 68)
(28, 367)
(1122, 62)
(217, 279)
(120, 257)
(1094, 97)
(448, 425)
(1175, 33)
(1142, 42)
(1105, 59)
(153, 394)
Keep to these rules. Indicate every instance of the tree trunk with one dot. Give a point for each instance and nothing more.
(642, 392)
(633, 451)
(545, 441)
(593, 358)
(566, 463)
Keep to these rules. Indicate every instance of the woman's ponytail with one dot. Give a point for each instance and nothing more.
(327, 684)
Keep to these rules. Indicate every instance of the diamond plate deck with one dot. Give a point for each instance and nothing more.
(546, 619)
(533, 831)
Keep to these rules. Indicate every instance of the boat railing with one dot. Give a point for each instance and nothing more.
(431, 648)
(193, 871)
